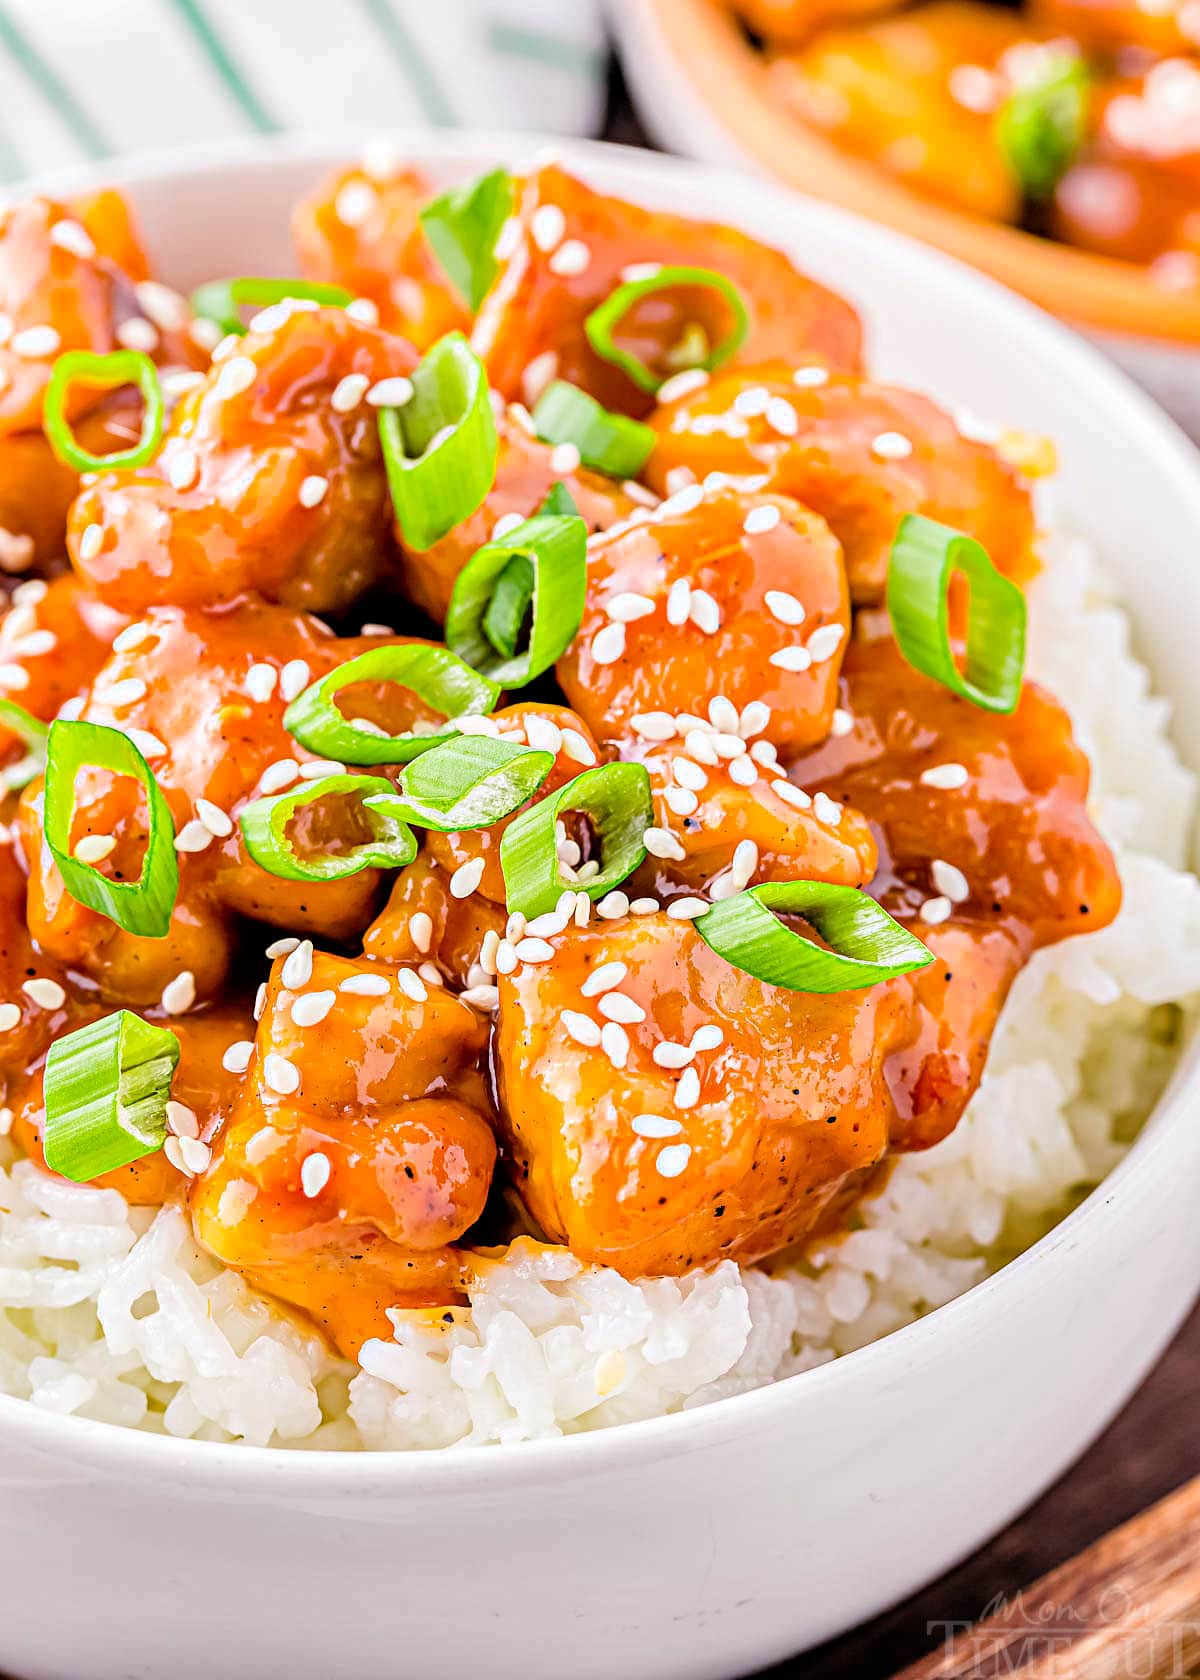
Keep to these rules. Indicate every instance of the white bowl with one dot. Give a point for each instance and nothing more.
(713, 1542)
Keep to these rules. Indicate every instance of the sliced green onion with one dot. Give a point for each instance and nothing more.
(538, 569)
(616, 800)
(1043, 123)
(440, 449)
(867, 944)
(222, 300)
(119, 367)
(264, 824)
(143, 906)
(471, 782)
(924, 558)
(603, 321)
(559, 500)
(434, 674)
(106, 1091)
(33, 733)
(611, 443)
(463, 226)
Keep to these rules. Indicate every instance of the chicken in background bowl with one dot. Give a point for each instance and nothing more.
(538, 1140)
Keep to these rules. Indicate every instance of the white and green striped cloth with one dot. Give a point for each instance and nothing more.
(88, 79)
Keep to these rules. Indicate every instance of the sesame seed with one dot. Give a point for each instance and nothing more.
(420, 930)
(534, 950)
(506, 957)
(293, 679)
(182, 1120)
(552, 922)
(745, 862)
(127, 692)
(485, 997)
(10, 1014)
(194, 836)
(194, 1156)
(841, 722)
(348, 393)
(645, 907)
(138, 334)
(364, 985)
(761, 519)
(614, 1041)
(314, 1173)
(35, 342)
(792, 795)
(704, 612)
(312, 490)
(687, 1092)
(688, 774)
(825, 642)
(682, 385)
(945, 776)
(604, 979)
(94, 848)
(133, 637)
(260, 682)
(743, 772)
(237, 1057)
(687, 909)
(216, 820)
(891, 446)
(35, 644)
(580, 1027)
(608, 645)
(166, 307)
(616, 1006)
(14, 677)
(393, 392)
(653, 726)
(565, 458)
(571, 257)
(683, 502)
(786, 608)
(260, 1000)
(576, 748)
(669, 1054)
(315, 769)
(538, 373)
(708, 1037)
(281, 947)
(508, 240)
(782, 417)
(548, 224)
(682, 802)
(752, 401)
(280, 1075)
(728, 746)
(90, 542)
(656, 1126)
(355, 203)
(313, 1007)
(671, 1161)
(935, 910)
(826, 810)
(297, 966)
(413, 987)
(147, 744)
(723, 714)
(661, 843)
(279, 775)
(236, 375)
(791, 659)
(808, 378)
(679, 601)
(466, 878)
(204, 333)
(950, 881)
(72, 236)
(627, 606)
(179, 994)
(47, 994)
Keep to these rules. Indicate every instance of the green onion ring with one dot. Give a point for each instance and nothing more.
(924, 558)
(616, 798)
(264, 825)
(603, 321)
(434, 674)
(463, 225)
(221, 300)
(470, 782)
(118, 367)
(542, 565)
(612, 444)
(107, 1085)
(868, 945)
(33, 733)
(440, 448)
(1043, 123)
(141, 907)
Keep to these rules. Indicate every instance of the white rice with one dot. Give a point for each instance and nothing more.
(113, 1313)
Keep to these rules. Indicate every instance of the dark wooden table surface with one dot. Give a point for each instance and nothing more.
(1152, 1447)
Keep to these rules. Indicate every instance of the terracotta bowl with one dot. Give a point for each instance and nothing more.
(703, 90)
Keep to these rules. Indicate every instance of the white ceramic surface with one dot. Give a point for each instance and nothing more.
(705, 1545)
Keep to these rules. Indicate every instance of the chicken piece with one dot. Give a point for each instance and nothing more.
(202, 1085)
(572, 248)
(788, 22)
(720, 593)
(1000, 800)
(62, 288)
(552, 729)
(424, 922)
(860, 455)
(358, 1152)
(1163, 27)
(209, 742)
(53, 640)
(262, 482)
(916, 94)
(656, 1169)
(43, 1014)
(358, 228)
(525, 475)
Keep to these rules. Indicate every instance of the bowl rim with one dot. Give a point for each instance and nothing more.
(203, 1465)
(727, 85)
